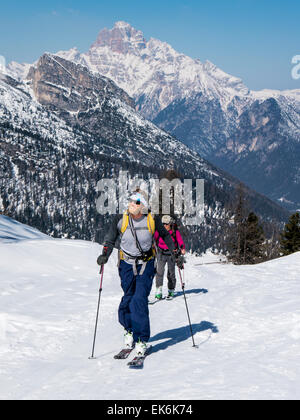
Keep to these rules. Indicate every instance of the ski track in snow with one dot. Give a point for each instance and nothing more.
(246, 322)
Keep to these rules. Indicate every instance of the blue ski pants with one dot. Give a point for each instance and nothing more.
(133, 309)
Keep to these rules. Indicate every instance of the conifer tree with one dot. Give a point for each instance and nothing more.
(253, 246)
(237, 228)
(290, 238)
(246, 239)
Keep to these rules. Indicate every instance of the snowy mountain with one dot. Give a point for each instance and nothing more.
(245, 320)
(153, 72)
(65, 128)
(13, 231)
(18, 71)
(205, 108)
(265, 148)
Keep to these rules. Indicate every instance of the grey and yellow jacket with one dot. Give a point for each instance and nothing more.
(144, 227)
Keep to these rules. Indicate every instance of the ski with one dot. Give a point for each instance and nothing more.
(138, 361)
(123, 354)
(152, 302)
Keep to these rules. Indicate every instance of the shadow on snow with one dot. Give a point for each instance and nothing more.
(192, 291)
(178, 335)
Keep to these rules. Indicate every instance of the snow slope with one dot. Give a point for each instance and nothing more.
(11, 231)
(246, 322)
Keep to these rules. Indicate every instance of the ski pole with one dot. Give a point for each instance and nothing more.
(97, 316)
(187, 309)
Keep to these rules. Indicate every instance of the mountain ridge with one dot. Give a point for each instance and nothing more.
(206, 108)
(65, 128)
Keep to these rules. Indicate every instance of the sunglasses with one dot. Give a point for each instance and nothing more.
(137, 202)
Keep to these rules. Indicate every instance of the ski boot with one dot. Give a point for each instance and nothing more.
(141, 348)
(128, 340)
(158, 294)
(171, 294)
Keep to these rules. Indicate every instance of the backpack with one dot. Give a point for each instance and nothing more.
(174, 228)
(150, 223)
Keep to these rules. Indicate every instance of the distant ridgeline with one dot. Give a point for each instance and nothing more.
(64, 129)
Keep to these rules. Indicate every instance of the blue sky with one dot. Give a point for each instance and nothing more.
(251, 39)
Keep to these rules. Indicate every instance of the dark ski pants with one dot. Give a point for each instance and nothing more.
(162, 260)
(133, 309)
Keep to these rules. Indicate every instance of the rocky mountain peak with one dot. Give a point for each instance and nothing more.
(73, 91)
(122, 24)
(122, 38)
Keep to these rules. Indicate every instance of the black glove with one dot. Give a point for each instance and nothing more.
(102, 259)
(177, 253)
(180, 262)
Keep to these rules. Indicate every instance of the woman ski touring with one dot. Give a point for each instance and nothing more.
(165, 256)
(136, 229)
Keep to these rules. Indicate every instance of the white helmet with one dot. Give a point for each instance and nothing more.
(166, 219)
(140, 197)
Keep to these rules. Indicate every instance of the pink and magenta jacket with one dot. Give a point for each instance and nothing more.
(161, 244)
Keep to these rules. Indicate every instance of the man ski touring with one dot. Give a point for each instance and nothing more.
(165, 256)
(136, 266)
